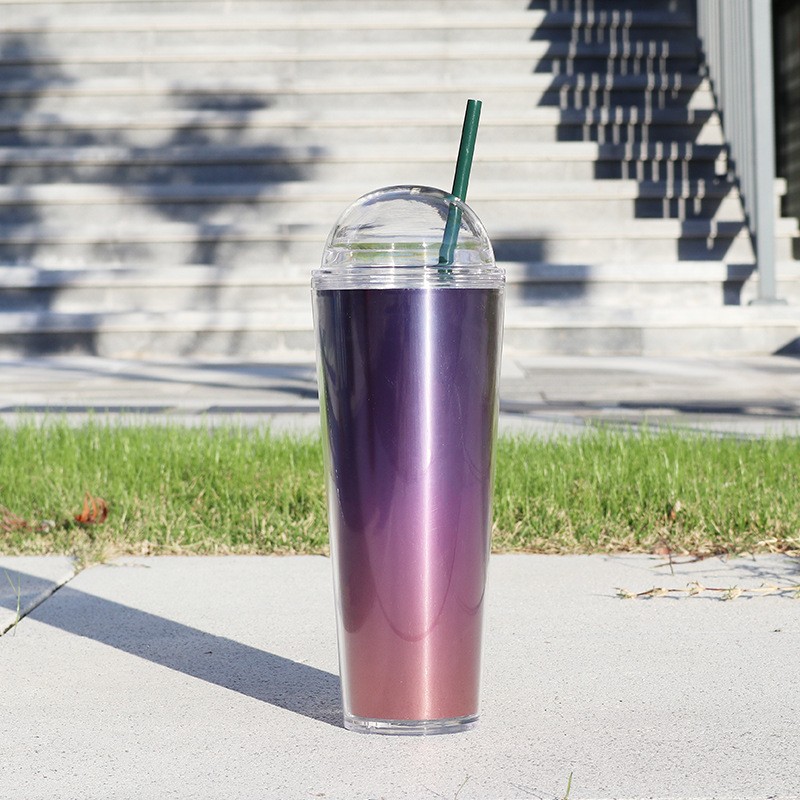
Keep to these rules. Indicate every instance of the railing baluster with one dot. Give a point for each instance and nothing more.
(737, 45)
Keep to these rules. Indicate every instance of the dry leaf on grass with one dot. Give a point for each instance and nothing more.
(10, 522)
(95, 511)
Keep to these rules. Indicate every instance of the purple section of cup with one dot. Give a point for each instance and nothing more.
(408, 381)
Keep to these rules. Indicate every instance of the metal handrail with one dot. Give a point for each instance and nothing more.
(736, 37)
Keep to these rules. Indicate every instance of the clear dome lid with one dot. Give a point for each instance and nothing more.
(407, 236)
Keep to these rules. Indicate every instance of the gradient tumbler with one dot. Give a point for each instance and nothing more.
(408, 347)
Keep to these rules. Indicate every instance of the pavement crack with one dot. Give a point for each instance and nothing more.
(23, 592)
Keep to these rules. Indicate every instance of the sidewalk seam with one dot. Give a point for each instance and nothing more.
(33, 604)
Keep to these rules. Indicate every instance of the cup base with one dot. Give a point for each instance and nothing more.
(410, 727)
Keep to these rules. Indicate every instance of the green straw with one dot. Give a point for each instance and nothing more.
(469, 133)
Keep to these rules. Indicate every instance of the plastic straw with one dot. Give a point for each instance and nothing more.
(469, 133)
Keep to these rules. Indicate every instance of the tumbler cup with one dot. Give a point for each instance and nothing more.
(408, 349)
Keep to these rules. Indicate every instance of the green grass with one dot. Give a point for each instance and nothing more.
(169, 489)
(172, 489)
(611, 491)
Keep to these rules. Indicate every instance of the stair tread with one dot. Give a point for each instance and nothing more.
(299, 318)
(374, 19)
(299, 274)
(411, 150)
(542, 115)
(349, 52)
(671, 80)
(306, 190)
(164, 277)
(664, 316)
(640, 228)
(172, 319)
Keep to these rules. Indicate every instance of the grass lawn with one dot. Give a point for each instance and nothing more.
(105, 489)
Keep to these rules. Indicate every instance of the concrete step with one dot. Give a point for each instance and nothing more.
(298, 26)
(263, 40)
(585, 9)
(508, 203)
(582, 8)
(577, 160)
(161, 125)
(414, 64)
(645, 240)
(67, 23)
(169, 7)
(668, 331)
(120, 290)
(242, 91)
(706, 284)
(257, 288)
(418, 163)
(276, 335)
(273, 244)
(172, 168)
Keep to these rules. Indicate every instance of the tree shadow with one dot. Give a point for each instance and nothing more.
(203, 175)
(22, 78)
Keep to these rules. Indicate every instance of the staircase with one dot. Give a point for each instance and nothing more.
(171, 168)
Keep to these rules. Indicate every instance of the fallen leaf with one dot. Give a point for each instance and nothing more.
(95, 511)
(11, 522)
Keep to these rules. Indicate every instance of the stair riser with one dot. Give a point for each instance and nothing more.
(635, 341)
(620, 64)
(447, 95)
(495, 129)
(583, 7)
(446, 81)
(263, 296)
(688, 285)
(35, 8)
(644, 99)
(626, 295)
(552, 210)
(557, 210)
(620, 36)
(492, 132)
(676, 171)
(649, 294)
(27, 9)
(436, 173)
(298, 345)
(292, 35)
(268, 345)
(154, 298)
(225, 251)
(702, 132)
(218, 251)
(656, 249)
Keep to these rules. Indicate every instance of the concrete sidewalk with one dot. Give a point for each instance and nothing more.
(544, 395)
(217, 678)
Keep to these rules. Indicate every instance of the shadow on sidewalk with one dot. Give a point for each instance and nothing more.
(224, 662)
